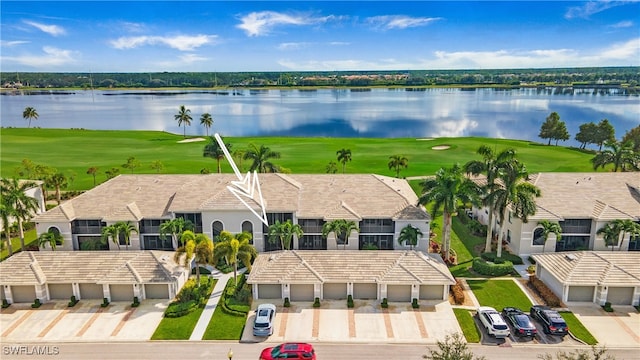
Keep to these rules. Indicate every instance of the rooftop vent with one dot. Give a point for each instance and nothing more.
(571, 257)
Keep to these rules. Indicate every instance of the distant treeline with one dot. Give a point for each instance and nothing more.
(628, 77)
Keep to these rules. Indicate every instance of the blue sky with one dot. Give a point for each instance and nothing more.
(152, 36)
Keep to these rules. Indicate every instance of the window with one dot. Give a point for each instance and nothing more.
(87, 226)
(576, 226)
(91, 243)
(311, 226)
(380, 242)
(538, 237)
(247, 226)
(509, 217)
(376, 226)
(155, 242)
(570, 243)
(508, 236)
(216, 228)
(312, 242)
(150, 226)
(194, 218)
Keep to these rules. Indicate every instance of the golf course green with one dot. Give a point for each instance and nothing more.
(73, 151)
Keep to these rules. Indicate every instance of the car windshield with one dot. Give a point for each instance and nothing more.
(263, 312)
(275, 352)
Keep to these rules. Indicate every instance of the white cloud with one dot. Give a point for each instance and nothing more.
(180, 42)
(590, 8)
(339, 43)
(132, 27)
(293, 45)
(53, 30)
(12, 43)
(622, 24)
(51, 56)
(263, 22)
(389, 22)
(629, 50)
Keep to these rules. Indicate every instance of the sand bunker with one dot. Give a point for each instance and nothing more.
(440, 147)
(425, 139)
(191, 140)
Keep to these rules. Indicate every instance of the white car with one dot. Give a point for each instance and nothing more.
(263, 323)
(493, 322)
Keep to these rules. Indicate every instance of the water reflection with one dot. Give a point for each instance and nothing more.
(331, 112)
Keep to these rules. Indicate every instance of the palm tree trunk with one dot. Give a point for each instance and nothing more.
(487, 244)
(8, 235)
(218, 166)
(446, 234)
(184, 134)
(21, 233)
(58, 199)
(235, 272)
(499, 249)
(198, 274)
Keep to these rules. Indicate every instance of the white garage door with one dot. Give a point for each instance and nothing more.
(301, 292)
(60, 291)
(365, 291)
(91, 291)
(24, 293)
(269, 291)
(399, 293)
(334, 291)
(156, 291)
(2, 296)
(620, 295)
(121, 292)
(581, 293)
(431, 292)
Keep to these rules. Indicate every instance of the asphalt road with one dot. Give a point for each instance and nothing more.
(219, 350)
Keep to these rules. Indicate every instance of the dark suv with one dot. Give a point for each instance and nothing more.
(552, 322)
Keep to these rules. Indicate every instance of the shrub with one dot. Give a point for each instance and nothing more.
(384, 304)
(135, 302)
(5, 304)
(36, 303)
(531, 260)
(286, 302)
(178, 309)
(547, 295)
(531, 269)
(350, 301)
(490, 269)
(492, 256)
(414, 304)
(72, 301)
(607, 307)
(369, 247)
(457, 291)
(203, 271)
(189, 291)
(105, 302)
(316, 303)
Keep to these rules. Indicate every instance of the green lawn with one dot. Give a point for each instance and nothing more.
(577, 329)
(224, 326)
(74, 151)
(29, 238)
(468, 326)
(499, 294)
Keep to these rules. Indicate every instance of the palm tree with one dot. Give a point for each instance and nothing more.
(157, 165)
(125, 229)
(625, 227)
(233, 248)
(284, 231)
(515, 194)
(51, 238)
(29, 113)
(206, 120)
(549, 227)
(58, 181)
(237, 155)
(5, 213)
(344, 156)
(409, 235)
(341, 228)
(332, 167)
(398, 162)
(445, 191)
(198, 246)
(111, 232)
(93, 171)
(175, 227)
(214, 151)
(260, 157)
(491, 165)
(620, 155)
(611, 234)
(21, 206)
(184, 118)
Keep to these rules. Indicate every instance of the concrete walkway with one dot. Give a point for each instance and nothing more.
(207, 313)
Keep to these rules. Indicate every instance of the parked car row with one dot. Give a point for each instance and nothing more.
(496, 323)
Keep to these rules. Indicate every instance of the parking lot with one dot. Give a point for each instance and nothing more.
(540, 338)
(366, 322)
(87, 321)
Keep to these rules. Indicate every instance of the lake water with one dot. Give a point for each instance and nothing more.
(438, 112)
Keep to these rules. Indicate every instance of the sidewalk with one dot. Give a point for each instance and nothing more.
(207, 313)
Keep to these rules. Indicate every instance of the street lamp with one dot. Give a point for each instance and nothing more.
(230, 354)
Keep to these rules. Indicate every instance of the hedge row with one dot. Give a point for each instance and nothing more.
(492, 256)
(547, 295)
(490, 269)
(235, 299)
(178, 309)
(457, 291)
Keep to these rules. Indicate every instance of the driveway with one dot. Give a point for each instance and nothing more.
(87, 321)
(619, 328)
(366, 322)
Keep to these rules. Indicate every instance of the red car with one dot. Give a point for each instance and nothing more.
(289, 351)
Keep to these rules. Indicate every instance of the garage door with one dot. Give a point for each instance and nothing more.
(121, 292)
(581, 293)
(91, 291)
(399, 293)
(2, 296)
(23, 294)
(431, 292)
(269, 291)
(620, 295)
(334, 291)
(156, 291)
(365, 291)
(60, 291)
(301, 292)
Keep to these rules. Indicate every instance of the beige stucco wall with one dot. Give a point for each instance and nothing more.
(423, 242)
(65, 231)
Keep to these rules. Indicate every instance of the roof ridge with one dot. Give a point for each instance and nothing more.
(612, 207)
(428, 259)
(395, 191)
(308, 266)
(37, 270)
(611, 264)
(289, 179)
(161, 263)
(395, 263)
(133, 270)
(410, 272)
